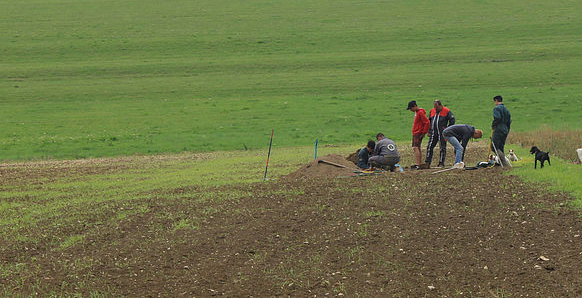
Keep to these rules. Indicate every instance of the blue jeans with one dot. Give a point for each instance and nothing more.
(458, 149)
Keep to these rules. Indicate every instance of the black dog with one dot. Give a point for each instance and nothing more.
(540, 155)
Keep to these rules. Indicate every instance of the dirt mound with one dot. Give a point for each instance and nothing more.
(318, 169)
(353, 157)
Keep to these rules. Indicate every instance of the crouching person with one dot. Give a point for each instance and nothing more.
(458, 135)
(385, 155)
(364, 155)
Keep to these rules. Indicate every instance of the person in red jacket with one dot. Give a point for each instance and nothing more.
(419, 129)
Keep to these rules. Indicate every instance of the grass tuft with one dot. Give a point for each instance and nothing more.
(562, 175)
(557, 143)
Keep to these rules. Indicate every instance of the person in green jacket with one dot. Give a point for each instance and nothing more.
(364, 155)
(501, 125)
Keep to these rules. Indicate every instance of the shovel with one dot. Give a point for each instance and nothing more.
(330, 163)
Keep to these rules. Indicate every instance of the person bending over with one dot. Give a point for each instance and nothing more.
(458, 135)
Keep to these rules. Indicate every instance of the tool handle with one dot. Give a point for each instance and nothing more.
(269, 154)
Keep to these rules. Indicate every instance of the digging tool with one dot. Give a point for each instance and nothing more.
(444, 170)
(330, 163)
(490, 142)
(269, 155)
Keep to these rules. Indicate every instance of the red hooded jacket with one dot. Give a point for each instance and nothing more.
(421, 124)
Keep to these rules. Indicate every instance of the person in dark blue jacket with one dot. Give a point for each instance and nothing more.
(501, 125)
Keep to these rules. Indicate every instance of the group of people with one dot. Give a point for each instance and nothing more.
(440, 127)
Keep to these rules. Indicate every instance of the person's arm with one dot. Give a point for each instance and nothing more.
(377, 149)
(466, 137)
(425, 123)
(496, 118)
(430, 119)
(465, 141)
(451, 118)
(467, 133)
(363, 158)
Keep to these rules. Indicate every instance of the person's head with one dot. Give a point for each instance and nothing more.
(380, 136)
(438, 105)
(477, 134)
(498, 99)
(412, 106)
(371, 144)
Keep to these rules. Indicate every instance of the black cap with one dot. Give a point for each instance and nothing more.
(411, 104)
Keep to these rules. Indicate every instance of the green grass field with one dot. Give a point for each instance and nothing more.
(111, 78)
(562, 175)
(139, 79)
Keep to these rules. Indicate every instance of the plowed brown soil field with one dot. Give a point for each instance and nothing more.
(480, 233)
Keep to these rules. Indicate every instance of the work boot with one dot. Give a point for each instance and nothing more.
(504, 161)
(459, 165)
(441, 165)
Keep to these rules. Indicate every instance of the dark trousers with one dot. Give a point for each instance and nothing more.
(384, 162)
(432, 142)
(498, 139)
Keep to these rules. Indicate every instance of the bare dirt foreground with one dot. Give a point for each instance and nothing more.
(412, 234)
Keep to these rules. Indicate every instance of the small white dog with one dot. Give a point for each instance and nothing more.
(496, 160)
(512, 156)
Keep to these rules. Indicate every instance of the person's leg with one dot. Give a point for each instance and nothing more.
(416, 142)
(432, 141)
(391, 162)
(372, 161)
(417, 155)
(498, 145)
(496, 142)
(378, 161)
(443, 151)
(502, 139)
(458, 149)
(500, 150)
(504, 161)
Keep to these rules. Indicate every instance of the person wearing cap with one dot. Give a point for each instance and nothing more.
(364, 155)
(440, 118)
(385, 154)
(459, 135)
(500, 126)
(420, 127)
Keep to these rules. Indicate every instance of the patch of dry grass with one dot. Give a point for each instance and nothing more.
(559, 143)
